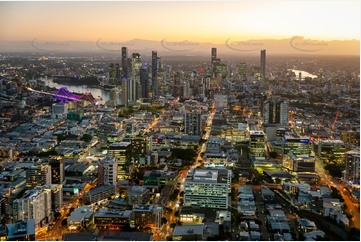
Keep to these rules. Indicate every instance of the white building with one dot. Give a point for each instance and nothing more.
(35, 204)
(207, 188)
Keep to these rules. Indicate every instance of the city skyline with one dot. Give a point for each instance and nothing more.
(193, 21)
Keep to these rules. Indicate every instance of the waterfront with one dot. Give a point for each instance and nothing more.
(303, 74)
(98, 93)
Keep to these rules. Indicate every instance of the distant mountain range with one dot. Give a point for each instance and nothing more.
(297, 45)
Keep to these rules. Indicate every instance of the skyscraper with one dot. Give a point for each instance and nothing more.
(154, 73)
(213, 55)
(124, 62)
(263, 63)
(135, 80)
(275, 112)
(144, 81)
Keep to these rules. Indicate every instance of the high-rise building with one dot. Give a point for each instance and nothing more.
(107, 171)
(122, 152)
(207, 188)
(352, 167)
(213, 55)
(275, 112)
(154, 74)
(192, 123)
(38, 175)
(35, 204)
(57, 171)
(135, 80)
(124, 62)
(263, 63)
(144, 81)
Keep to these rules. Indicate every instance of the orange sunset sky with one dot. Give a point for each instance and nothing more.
(194, 21)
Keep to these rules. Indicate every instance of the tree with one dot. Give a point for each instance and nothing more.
(60, 138)
(273, 154)
(183, 154)
(86, 138)
(64, 222)
(335, 170)
(57, 215)
(164, 220)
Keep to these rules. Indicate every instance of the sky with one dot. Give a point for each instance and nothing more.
(201, 21)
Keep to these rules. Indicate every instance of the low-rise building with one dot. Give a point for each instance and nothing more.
(192, 232)
(81, 217)
(21, 231)
(99, 193)
(146, 216)
(138, 195)
(110, 219)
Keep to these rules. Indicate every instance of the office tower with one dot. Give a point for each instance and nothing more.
(207, 188)
(122, 152)
(192, 123)
(124, 62)
(331, 151)
(38, 175)
(35, 204)
(107, 171)
(154, 74)
(144, 81)
(213, 55)
(57, 170)
(135, 80)
(263, 63)
(257, 143)
(352, 167)
(296, 145)
(275, 112)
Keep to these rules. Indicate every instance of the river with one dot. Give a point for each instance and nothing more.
(303, 74)
(96, 92)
